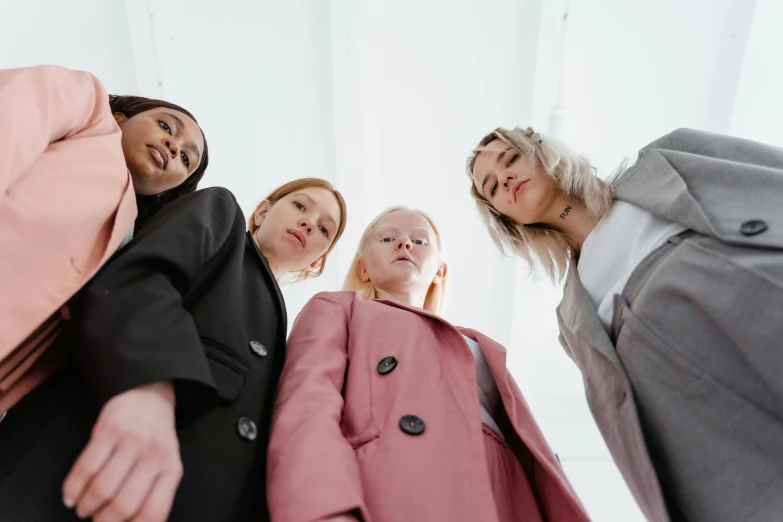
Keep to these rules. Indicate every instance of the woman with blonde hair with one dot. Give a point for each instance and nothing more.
(671, 305)
(387, 413)
(177, 344)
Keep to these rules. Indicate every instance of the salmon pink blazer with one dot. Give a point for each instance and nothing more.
(66, 202)
(337, 443)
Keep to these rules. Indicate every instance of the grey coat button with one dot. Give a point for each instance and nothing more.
(387, 365)
(412, 425)
(258, 348)
(753, 227)
(247, 428)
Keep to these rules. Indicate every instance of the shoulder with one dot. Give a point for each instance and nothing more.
(343, 298)
(55, 75)
(340, 303)
(211, 198)
(214, 207)
(204, 219)
(678, 138)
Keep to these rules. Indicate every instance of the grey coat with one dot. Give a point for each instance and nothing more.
(687, 388)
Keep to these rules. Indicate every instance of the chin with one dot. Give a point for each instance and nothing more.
(143, 186)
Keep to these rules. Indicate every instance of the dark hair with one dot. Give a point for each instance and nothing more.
(130, 106)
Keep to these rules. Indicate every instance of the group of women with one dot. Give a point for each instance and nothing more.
(146, 374)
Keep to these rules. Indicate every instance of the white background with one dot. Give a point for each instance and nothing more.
(387, 98)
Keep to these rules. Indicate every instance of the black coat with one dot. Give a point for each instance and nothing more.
(191, 300)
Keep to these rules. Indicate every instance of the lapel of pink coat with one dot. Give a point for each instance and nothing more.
(517, 409)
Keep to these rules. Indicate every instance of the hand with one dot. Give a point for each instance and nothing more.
(131, 468)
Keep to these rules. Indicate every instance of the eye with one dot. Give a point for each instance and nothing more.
(493, 189)
(299, 206)
(164, 126)
(185, 160)
(420, 242)
(511, 160)
(387, 239)
(324, 230)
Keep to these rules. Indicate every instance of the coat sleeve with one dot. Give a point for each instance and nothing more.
(62, 178)
(45, 104)
(312, 470)
(133, 326)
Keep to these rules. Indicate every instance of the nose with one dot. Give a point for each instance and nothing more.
(506, 183)
(306, 226)
(173, 147)
(404, 244)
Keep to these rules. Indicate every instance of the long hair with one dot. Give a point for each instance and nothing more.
(130, 106)
(299, 184)
(434, 302)
(575, 176)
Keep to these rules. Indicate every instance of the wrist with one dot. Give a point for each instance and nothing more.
(164, 389)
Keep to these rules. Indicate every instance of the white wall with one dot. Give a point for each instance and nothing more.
(758, 109)
(89, 35)
(387, 98)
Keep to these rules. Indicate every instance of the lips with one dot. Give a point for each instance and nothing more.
(159, 155)
(404, 258)
(299, 236)
(519, 188)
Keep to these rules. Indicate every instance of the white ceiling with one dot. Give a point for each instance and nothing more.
(387, 98)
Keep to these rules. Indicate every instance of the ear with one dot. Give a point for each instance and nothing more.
(440, 275)
(120, 118)
(260, 213)
(361, 270)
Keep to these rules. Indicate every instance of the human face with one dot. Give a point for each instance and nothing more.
(401, 254)
(512, 186)
(162, 148)
(296, 231)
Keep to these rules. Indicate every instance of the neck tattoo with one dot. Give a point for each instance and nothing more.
(565, 212)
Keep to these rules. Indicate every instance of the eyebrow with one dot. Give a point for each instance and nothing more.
(192, 145)
(312, 203)
(503, 153)
(424, 230)
(497, 160)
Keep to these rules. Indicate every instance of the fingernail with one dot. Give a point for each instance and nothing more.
(68, 503)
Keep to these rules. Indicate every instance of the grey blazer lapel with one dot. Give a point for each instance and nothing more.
(578, 315)
(609, 394)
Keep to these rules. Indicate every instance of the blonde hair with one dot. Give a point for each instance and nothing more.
(575, 176)
(434, 302)
(291, 187)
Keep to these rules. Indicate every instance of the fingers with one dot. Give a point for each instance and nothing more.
(131, 467)
(106, 483)
(89, 463)
(131, 494)
(158, 504)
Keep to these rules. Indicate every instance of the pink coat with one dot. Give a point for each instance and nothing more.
(336, 443)
(66, 202)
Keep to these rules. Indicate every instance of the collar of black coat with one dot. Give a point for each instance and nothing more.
(272, 281)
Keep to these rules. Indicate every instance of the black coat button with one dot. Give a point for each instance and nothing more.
(387, 365)
(753, 227)
(258, 348)
(247, 428)
(412, 425)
